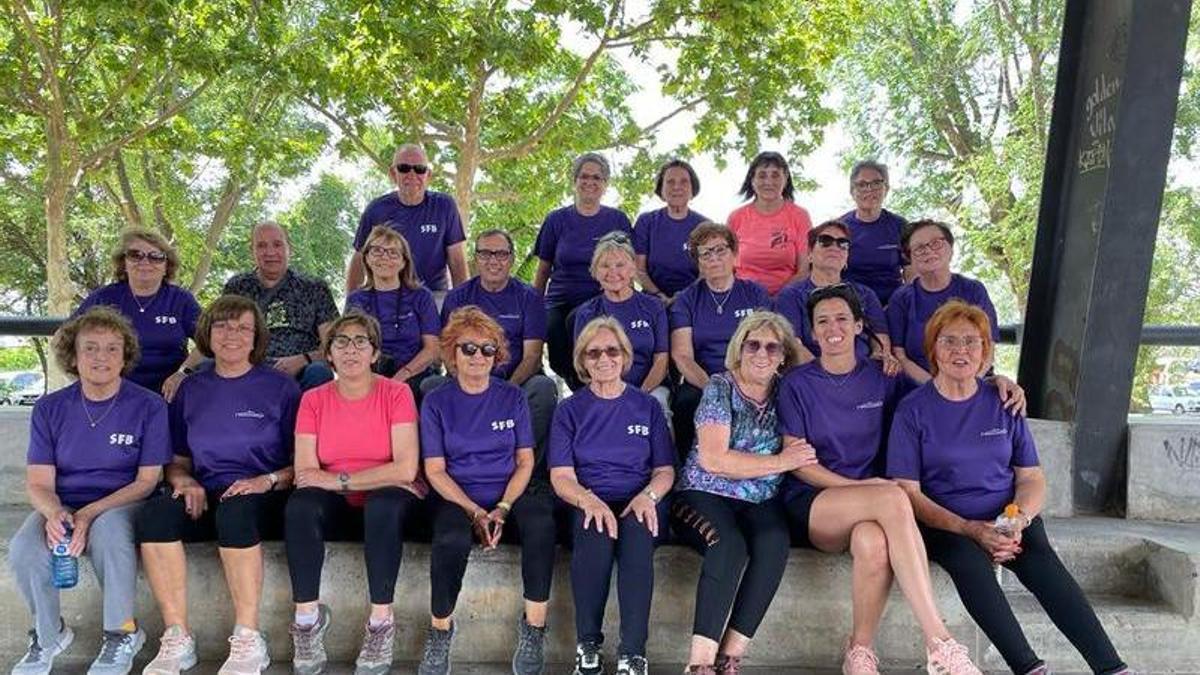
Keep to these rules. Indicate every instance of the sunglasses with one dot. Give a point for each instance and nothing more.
(595, 353)
(772, 349)
(471, 349)
(419, 169)
(154, 257)
(829, 241)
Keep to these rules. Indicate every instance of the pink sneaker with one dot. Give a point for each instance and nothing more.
(950, 658)
(860, 660)
(700, 670)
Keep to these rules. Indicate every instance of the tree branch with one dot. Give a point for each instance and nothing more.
(344, 125)
(127, 201)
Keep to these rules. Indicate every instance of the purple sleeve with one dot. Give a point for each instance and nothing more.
(427, 314)
(681, 310)
(90, 301)
(355, 301)
(449, 305)
(985, 302)
(895, 314)
(583, 314)
(793, 419)
(524, 429)
(662, 449)
(364, 228)
(641, 235)
(904, 446)
(1024, 451)
(431, 431)
(535, 319)
(175, 410)
(156, 438)
(547, 240)
(873, 311)
(662, 339)
(41, 436)
(191, 313)
(562, 436)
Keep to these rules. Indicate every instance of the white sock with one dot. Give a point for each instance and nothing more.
(307, 619)
(376, 623)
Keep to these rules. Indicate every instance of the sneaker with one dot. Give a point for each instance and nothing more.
(700, 670)
(950, 658)
(1044, 670)
(436, 659)
(176, 653)
(247, 653)
(860, 660)
(632, 664)
(530, 657)
(308, 644)
(38, 660)
(116, 652)
(728, 665)
(375, 657)
(588, 660)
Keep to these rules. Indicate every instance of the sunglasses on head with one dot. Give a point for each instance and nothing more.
(419, 169)
(828, 240)
(471, 349)
(595, 353)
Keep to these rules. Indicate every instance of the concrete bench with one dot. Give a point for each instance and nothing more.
(1164, 471)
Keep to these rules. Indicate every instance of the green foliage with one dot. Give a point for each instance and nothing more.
(18, 358)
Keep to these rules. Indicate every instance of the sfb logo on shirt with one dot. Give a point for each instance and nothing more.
(120, 439)
(166, 320)
(429, 228)
(742, 313)
(503, 425)
(637, 430)
(638, 323)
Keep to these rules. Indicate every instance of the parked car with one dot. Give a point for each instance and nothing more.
(1177, 399)
(23, 389)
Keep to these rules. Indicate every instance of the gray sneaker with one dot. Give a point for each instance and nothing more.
(631, 664)
(436, 659)
(308, 644)
(116, 652)
(176, 653)
(375, 657)
(39, 659)
(529, 658)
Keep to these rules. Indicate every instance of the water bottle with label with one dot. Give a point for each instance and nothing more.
(64, 567)
(1008, 523)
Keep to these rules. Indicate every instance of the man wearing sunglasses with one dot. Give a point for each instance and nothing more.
(427, 219)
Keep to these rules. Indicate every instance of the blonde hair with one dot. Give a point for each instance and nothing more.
(151, 237)
(758, 320)
(382, 234)
(613, 242)
(589, 333)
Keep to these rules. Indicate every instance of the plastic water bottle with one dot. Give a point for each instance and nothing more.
(1008, 523)
(64, 567)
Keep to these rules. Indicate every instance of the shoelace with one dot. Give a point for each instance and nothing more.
(377, 642)
(113, 643)
(861, 658)
(305, 641)
(529, 642)
(437, 647)
(590, 658)
(729, 665)
(634, 664)
(953, 657)
(242, 646)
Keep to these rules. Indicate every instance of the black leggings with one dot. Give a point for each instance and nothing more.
(238, 522)
(559, 338)
(591, 570)
(684, 402)
(533, 516)
(315, 515)
(1038, 569)
(733, 536)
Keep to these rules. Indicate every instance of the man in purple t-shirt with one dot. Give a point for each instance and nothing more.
(427, 219)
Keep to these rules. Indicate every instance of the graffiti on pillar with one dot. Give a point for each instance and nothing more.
(1100, 122)
(1185, 453)
(1064, 378)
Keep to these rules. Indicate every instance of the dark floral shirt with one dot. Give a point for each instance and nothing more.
(294, 308)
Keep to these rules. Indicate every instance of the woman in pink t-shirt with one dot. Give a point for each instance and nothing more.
(357, 461)
(771, 230)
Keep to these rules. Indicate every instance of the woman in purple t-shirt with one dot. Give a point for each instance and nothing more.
(876, 260)
(477, 445)
(840, 406)
(961, 457)
(611, 458)
(660, 237)
(231, 433)
(96, 450)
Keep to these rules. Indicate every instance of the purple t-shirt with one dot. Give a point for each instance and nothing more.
(163, 323)
(478, 435)
(792, 303)
(664, 242)
(516, 307)
(234, 428)
(844, 417)
(912, 305)
(430, 228)
(404, 314)
(566, 241)
(613, 444)
(714, 317)
(644, 319)
(962, 452)
(876, 258)
(92, 462)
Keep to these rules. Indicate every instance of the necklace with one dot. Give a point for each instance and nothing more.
(95, 421)
(142, 308)
(719, 303)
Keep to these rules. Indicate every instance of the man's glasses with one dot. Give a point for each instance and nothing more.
(493, 254)
(869, 185)
(419, 169)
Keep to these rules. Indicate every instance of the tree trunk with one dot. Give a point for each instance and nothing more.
(59, 291)
(230, 196)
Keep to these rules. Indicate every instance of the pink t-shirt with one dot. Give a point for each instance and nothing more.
(356, 435)
(768, 246)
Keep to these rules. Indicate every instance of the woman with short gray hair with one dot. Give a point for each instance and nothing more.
(877, 260)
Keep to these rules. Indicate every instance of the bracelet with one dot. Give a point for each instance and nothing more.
(651, 495)
(187, 370)
(504, 506)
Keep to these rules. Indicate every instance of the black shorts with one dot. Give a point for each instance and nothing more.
(799, 510)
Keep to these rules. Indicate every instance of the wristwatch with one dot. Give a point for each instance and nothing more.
(651, 495)
(344, 481)
(273, 479)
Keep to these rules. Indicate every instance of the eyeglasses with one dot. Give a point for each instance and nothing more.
(419, 169)
(828, 241)
(360, 342)
(93, 350)
(869, 185)
(493, 254)
(595, 353)
(236, 328)
(773, 349)
(931, 245)
(969, 342)
(383, 251)
(153, 257)
(471, 349)
(713, 252)
(591, 176)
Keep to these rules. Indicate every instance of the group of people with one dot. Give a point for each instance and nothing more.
(740, 388)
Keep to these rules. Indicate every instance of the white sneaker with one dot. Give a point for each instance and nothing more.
(247, 653)
(39, 659)
(176, 653)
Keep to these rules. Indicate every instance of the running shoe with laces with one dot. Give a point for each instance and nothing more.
(308, 644)
(728, 665)
(860, 660)
(588, 659)
(375, 657)
(117, 650)
(700, 670)
(632, 664)
(39, 659)
(436, 658)
(247, 653)
(949, 658)
(176, 653)
(530, 656)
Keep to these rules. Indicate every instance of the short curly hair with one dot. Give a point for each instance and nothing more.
(100, 317)
(231, 308)
(117, 257)
(471, 319)
(710, 230)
